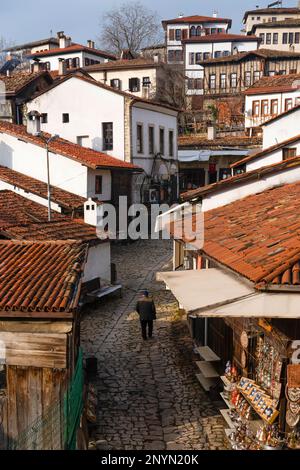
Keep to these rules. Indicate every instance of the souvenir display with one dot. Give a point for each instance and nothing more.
(244, 340)
(293, 375)
(269, 367)
(293, 441)
(292, 394)
(294, 407)
(263, 404)
(243, 359)
(291, 419)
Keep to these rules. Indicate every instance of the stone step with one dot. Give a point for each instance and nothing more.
(207, 354)
(207, 369)
(204, 382)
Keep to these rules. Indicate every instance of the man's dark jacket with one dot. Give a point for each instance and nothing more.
(146, 309)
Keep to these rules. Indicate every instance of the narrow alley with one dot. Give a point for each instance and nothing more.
(149, 397)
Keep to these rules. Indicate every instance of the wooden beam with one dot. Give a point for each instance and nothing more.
(35, 349)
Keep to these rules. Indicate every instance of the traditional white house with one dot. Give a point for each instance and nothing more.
(270, 97)
(80, 171)
(212, 46)
(75, 55)
(268, 15)
(185, 27)
(134, 130)
(282, 127)
(138, 76)
(279, 35)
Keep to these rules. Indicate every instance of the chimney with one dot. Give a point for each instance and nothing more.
(64, 41)
(34, 123)
(215, 14)
(92, 212)
(8, 73)
(156, 58)
(211, 133)
(181, 15)
(91, 44)
(36, 66)
(62, 67)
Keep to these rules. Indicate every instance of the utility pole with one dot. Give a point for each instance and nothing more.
(47, 142)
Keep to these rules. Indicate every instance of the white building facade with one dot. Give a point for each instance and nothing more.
(268, 15)
(265, 102)
(184, 27)
(131, 129)
(75, 55)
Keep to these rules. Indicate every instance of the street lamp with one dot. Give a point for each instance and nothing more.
(48, 142)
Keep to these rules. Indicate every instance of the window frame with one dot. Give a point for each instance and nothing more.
(151, 139)
(288, 104)
(256, 106)
(233, 79)
(65, 118)
(171, 143)
(162, 141)
(264, 108)
(140, 138)
(274, 103)
(106, 145)
(212, 80)
(223, 81)
(98, 184)
(289, 152)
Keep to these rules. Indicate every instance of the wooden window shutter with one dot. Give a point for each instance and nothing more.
(184, 33)
(172, 34)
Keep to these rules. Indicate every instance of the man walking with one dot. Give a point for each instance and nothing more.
(147, 312)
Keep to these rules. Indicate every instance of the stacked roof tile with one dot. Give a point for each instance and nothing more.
(39, 188)
(258, 237)
(277, 83)
(88, 157)
(40, 276)
(19, 80)
(23, 219)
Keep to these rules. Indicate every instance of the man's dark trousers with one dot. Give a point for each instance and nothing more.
(144, 324)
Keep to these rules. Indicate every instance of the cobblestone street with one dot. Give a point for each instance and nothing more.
(149, 397)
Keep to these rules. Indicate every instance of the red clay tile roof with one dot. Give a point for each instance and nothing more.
(258, 237)
(73, 48)
(67, 229)
(21, 218)
(266, 151)
(92, 81)
(269, 11)
(222, 37)
(260, 53)
(19, 80)
(278, 83)
(123, 64)
(88, 157)
(18, 210)
(31, 45)
(197, 19)
(40, 276)
(61, 197)
(241, 178)
(198, 141)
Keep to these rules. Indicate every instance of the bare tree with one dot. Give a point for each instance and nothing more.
(131, 26)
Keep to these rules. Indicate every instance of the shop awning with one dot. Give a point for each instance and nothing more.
(214, 293)
(189, 156)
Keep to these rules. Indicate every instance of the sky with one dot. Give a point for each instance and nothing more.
(27, 20)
